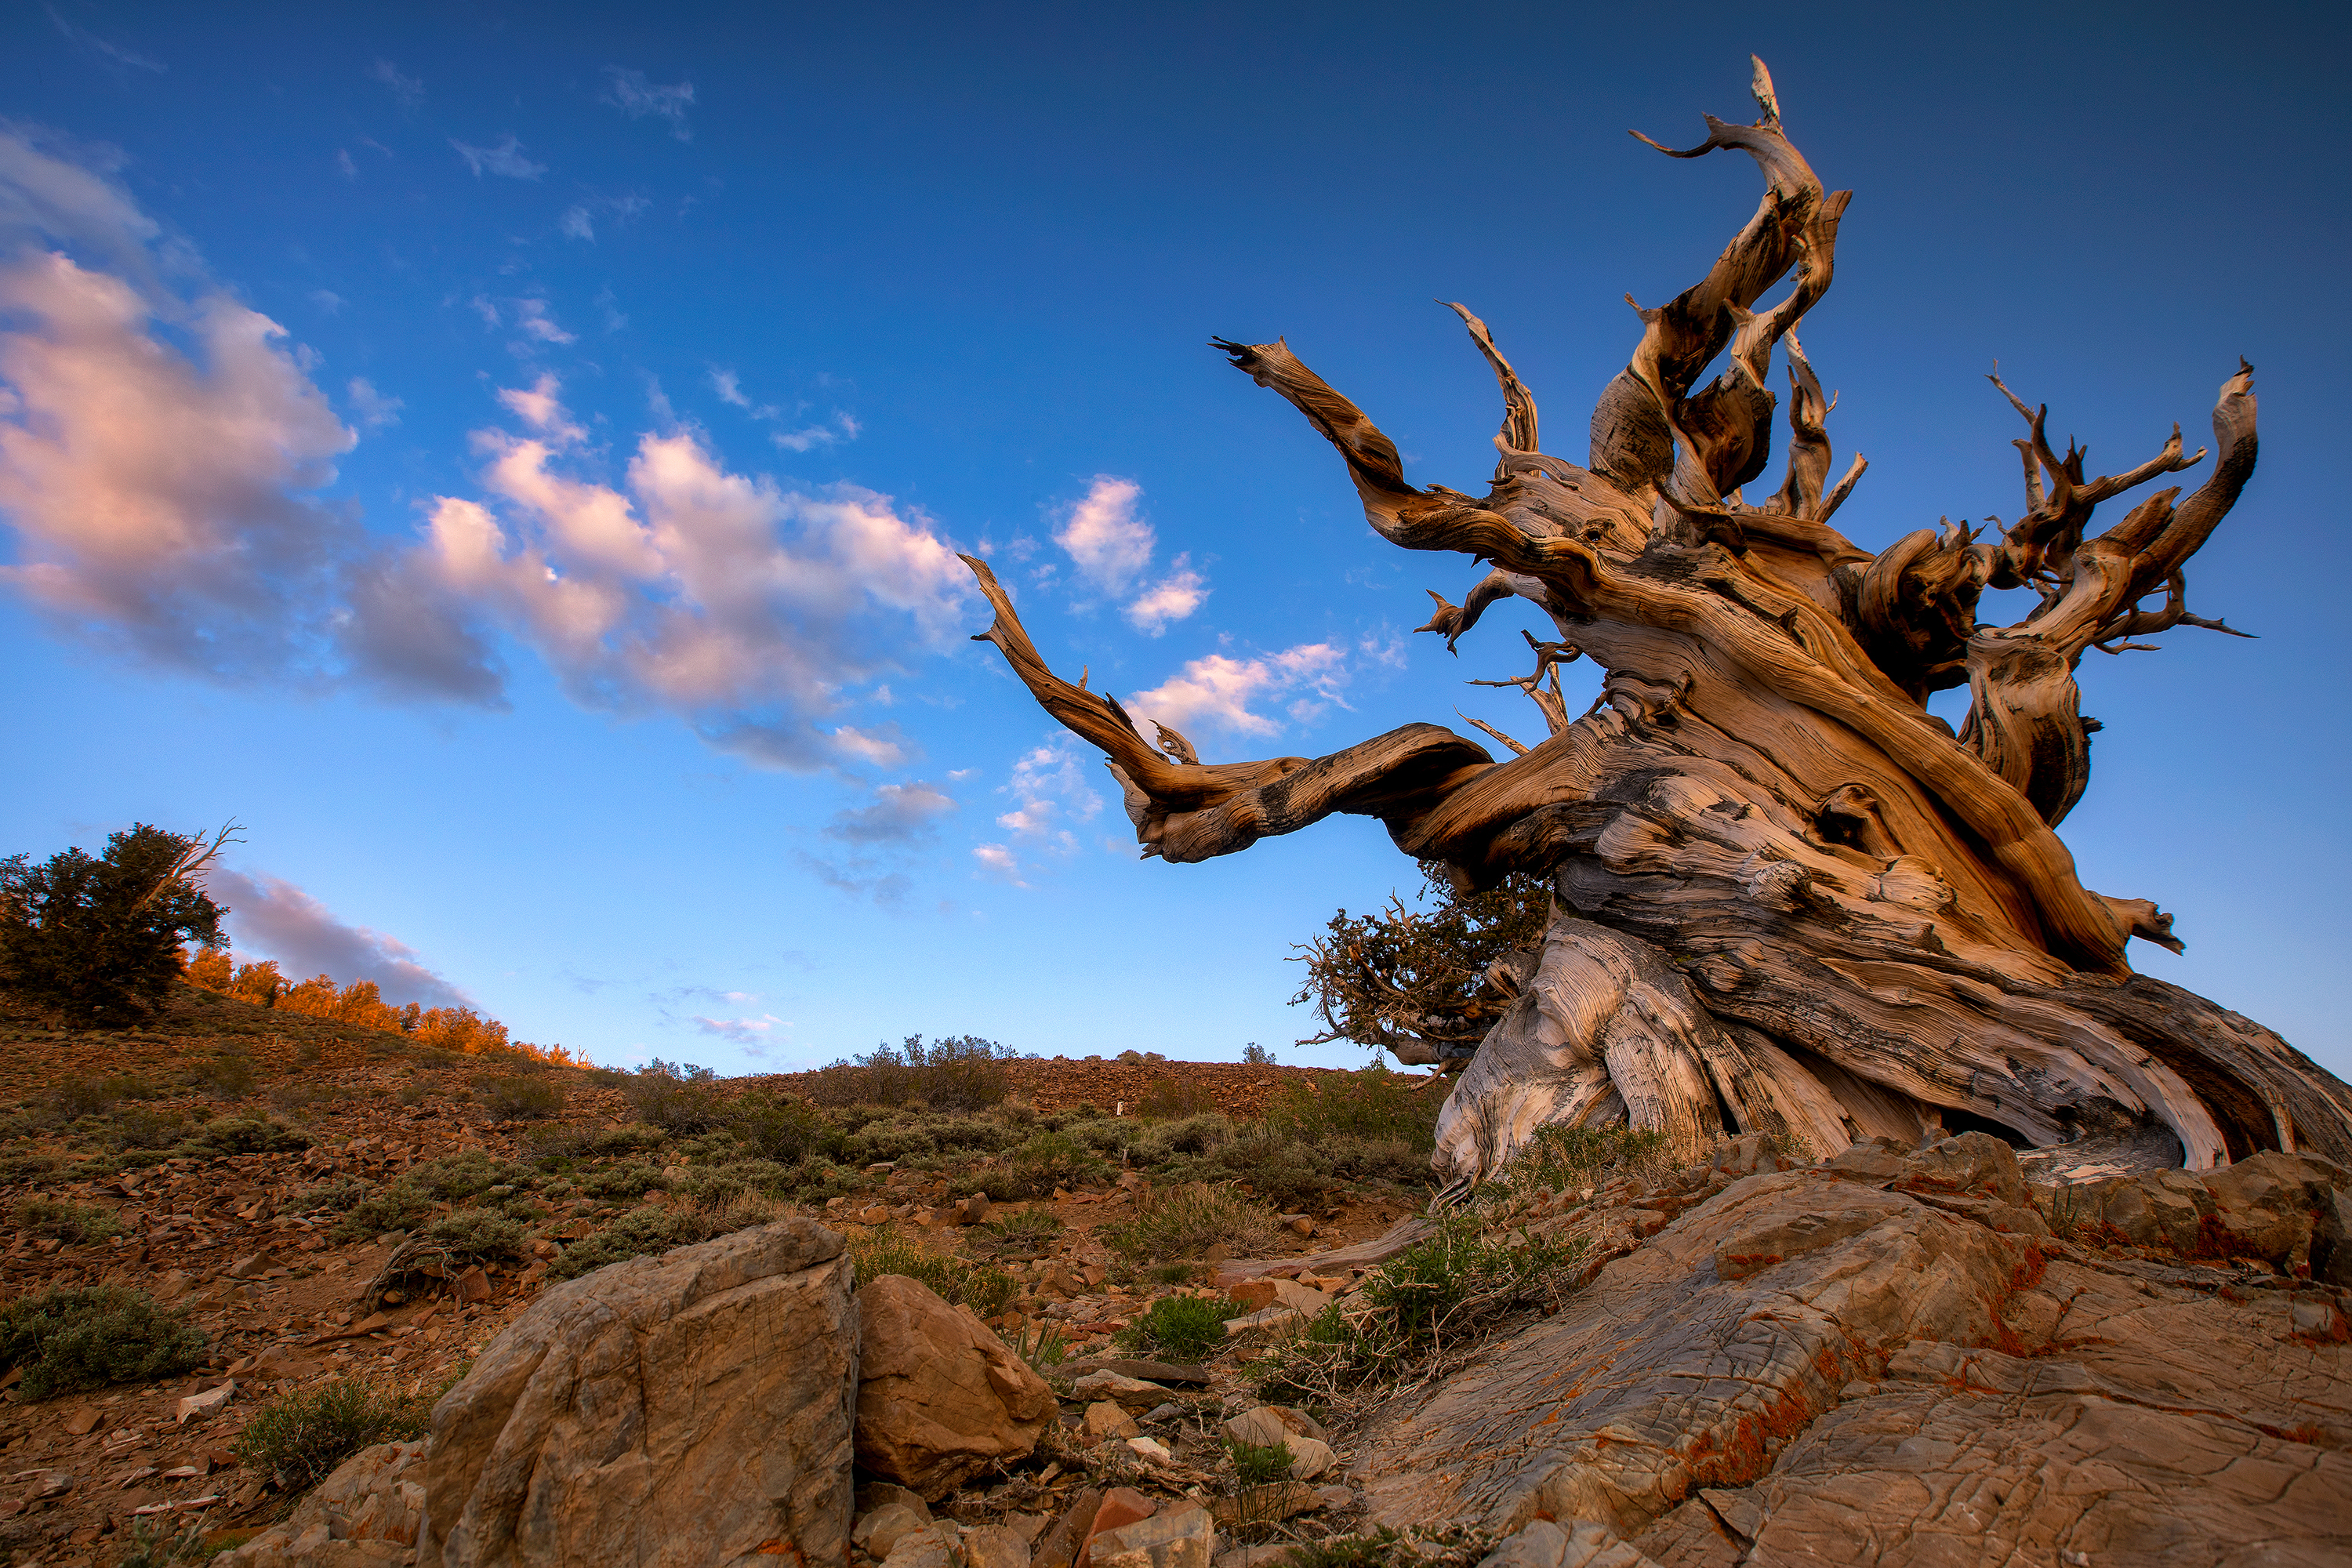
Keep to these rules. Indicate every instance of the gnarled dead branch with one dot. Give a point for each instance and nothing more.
(1785, 895)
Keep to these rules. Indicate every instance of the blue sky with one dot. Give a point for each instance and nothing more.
(509, 458)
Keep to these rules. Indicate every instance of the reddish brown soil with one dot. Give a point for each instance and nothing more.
(294, 1315)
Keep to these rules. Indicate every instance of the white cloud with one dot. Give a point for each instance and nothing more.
(629, 91)
(579, 219)
(1103, 534)
(110, 54)
(1049, 787)
(741, 1031)
(541, 406)
(506, 160)
(1111, 546)
(375, 410)
(720, 596)
(1217, 690)
(841, 427)
(55, 191)
(279, 919)
(883, 747)
(406, 88)
(343, 165)
(531, 316)
(327, 299)
(1172, 598)
(898, 814)
(998, 861)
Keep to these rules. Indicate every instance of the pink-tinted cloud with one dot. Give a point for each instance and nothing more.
(162, 504)
(278, 920)
(1219, 691)
(167, 502)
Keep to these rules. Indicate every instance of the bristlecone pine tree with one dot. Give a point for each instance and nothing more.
(1786, 896)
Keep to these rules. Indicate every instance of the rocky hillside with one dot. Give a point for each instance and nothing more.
(1038, 1334)
(323, 1206)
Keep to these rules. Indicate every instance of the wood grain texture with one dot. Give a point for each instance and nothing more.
(1786, 895)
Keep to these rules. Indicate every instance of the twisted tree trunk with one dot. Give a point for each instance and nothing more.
(1786, 896)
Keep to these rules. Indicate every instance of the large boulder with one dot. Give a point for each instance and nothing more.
(367, 1514)
(939, 1397)
(686, 1409)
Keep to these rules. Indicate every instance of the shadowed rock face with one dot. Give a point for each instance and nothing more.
(687, 1409)
(1888, 1359)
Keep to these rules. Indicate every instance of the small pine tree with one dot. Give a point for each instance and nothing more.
(99, 938)
(1416, 983)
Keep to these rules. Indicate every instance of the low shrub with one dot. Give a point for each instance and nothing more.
(1425, 1305)
(475, 1235)
(400, 1206)
(963, 1073)
(1040, 1163)
(229, 1075)
(75, 1224)
(453, 1178)
(139, 1126)
(243, 1135)
(1187, 1328)
(1195, 1134)
(298, 1438)
(677, 1096)
(341, 1195)
(155, 1546)
(29, 1167)
(713, 1184)
(912, 1136)
(1557, 1159)
(1258, 1464)
(1184, 1221)
(1372, 1103)
(74, 1099)
(1173, 1098)
(560, 1147)
(632, 1180)
(522, 1099)
(784, 1130)
(640, 1233)
(86, 1337)
(1016, 1233)
(1278, 1166)
(985, 1289)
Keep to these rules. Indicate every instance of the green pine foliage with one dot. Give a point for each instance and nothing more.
(99, 939)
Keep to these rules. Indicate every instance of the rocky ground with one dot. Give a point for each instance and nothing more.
(1888, 1357)
(281, 1289)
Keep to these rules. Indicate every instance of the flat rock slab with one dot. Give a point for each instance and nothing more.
(1134, 1367)
(1850, 1364)
(1964, 1456)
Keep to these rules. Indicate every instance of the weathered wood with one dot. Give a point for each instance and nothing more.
(1786, 896)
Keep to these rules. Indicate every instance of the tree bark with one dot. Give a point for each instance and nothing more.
(1787, 896)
